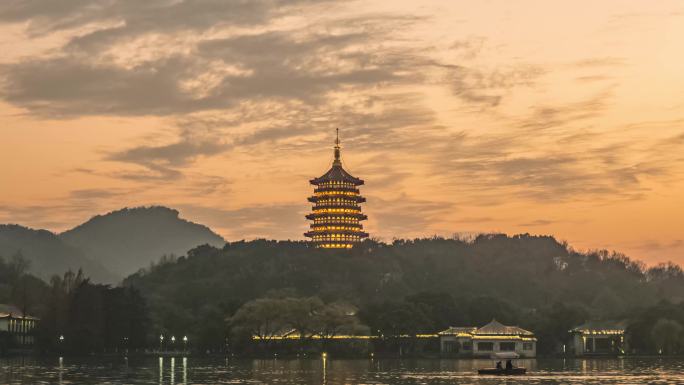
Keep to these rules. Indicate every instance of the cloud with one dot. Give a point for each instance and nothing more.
(162, 162)
(276, 221)
(555, 165)
(69, 86)
(599, 62)
(556, 116)
(537, 222)
(486, 88)
(653, 245)
(142, 17)
(96, 193)
(405, 216)
(76, 206)
(204, 73)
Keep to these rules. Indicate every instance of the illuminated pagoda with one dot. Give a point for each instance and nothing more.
(336, 213)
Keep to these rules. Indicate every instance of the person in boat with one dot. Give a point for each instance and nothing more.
(509, 365)
(498, 365)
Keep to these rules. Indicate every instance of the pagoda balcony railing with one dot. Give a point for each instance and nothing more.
(329, 241)
(347, 241)
(347, 202)
(336, 224)
(356, 215)
(351, 198)
(326, 189)
(351, 206)
(360, 234)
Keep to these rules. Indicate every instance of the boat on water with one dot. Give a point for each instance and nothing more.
(499, 370)
(503, 371)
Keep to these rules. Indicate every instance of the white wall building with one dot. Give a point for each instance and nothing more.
(599, 338)
(491, 338)
(20, 326)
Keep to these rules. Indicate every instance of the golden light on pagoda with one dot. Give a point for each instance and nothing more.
(336, 213)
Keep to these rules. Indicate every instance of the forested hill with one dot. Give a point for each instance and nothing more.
(47, 254)
(129, 239)
(107, 247)
(523, 279)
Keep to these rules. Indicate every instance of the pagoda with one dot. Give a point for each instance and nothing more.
(336, 213)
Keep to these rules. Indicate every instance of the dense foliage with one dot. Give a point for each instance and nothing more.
(91, 318)
(220, 297)
(410, 286)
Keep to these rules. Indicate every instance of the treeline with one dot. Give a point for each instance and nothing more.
(219, 298)
(413, 286)
(82, 317)
(76, 315)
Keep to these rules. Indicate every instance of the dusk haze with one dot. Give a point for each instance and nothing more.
(270, 190)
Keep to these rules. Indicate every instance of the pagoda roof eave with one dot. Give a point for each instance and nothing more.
(336, 174)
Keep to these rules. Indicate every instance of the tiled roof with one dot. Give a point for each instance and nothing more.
(337, 173)
(492, 328)
(497, 328)
(601, 326)
(13, 311)
(458, 330)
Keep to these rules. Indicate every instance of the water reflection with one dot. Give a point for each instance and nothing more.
(325, 367)
(61, 370)
(330, 371)
(173, 370)
(161, 370)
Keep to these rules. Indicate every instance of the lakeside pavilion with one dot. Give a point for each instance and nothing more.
(596, 338)
(18, 325)
(336, 213)
(493, 337)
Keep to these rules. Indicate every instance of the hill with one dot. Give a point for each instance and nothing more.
(48, 254)
(126, 240)
(532, 281)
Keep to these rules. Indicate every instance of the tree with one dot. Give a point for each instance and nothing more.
(336, 318)
(667, 335)
(301, 314)
(262, 318)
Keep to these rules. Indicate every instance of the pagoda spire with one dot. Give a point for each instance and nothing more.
(337, 161)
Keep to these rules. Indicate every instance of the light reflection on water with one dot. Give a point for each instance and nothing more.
(328, 371)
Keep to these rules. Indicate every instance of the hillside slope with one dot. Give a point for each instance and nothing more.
(129, 239)
(48, 254)
(530, 281)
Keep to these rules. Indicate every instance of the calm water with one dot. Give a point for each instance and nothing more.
(194, 370)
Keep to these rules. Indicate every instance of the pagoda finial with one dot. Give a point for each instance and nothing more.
(337, 161)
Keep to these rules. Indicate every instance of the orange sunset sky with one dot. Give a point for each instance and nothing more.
(547, 117)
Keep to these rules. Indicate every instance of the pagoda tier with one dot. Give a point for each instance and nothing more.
(336, 213)
(342, 217)
(336, 199)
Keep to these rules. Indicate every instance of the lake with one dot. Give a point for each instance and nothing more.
(330, 371)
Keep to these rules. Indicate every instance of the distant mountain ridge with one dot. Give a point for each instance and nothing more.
(111, 246)
(131, 238)
(49, 254)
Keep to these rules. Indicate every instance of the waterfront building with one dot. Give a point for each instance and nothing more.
(598, 338)
(18, 325)
(487, 340)
(336, 215)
